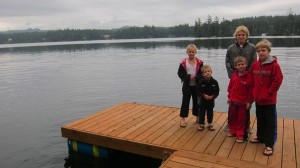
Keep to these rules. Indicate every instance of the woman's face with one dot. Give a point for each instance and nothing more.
(241, 37)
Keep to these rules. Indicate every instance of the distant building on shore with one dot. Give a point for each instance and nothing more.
(106, 36)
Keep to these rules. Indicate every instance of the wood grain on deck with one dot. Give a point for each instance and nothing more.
(153, 131)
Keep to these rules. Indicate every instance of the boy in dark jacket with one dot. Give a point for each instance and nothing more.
(207, 91)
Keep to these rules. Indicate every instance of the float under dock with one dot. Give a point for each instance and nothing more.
(154, 131)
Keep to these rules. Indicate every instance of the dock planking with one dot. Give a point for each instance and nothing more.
(188, 159)
(153, 131)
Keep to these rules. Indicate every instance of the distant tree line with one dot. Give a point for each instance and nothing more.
(270, 25)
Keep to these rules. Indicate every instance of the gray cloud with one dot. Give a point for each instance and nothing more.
(106, 14)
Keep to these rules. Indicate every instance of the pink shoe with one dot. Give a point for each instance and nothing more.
(182, 122)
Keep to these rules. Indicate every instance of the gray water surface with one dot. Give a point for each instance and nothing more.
(45, 87)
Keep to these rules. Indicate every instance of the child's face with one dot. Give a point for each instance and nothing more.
(207, 73)
(241, 66)
(191, 52)
(263, 53)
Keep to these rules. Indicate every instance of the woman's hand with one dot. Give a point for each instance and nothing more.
(228, 102)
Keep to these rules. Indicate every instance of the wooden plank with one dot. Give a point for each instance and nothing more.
(114, 124)
(116, 116)
(251, 148)
(134, 124)
(102, 117)
(154, 128)
(288, 153)
(185, 137)
(174, 164)
(92, 116)
(161, 139)
(217, 142)
(297, 141)
(229, 142)
(239, 148)
(205, 160)
(208, 138)
(275, 160)
(155, 121)
(186, 161)
(190, 145)
(178, 135)
(226, 147)
(151, 130)
(259, 157)
(141, 121)
(161, 131)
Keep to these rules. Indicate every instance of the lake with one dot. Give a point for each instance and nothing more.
(47, 85)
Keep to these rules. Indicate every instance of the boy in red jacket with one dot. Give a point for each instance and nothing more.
(239, 99)
(267, 78)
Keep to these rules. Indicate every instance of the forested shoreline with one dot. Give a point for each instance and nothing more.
(263, 25)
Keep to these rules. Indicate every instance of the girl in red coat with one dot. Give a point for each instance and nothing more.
(267, 78)
(239, 99)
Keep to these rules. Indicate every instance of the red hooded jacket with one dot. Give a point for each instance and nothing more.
(239, 88)
(267, 78)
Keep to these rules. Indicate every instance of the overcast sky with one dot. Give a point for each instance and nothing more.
(107, 14)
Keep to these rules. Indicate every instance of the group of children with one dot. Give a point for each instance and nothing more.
(259, 84)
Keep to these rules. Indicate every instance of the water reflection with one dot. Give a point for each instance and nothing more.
(117, 159)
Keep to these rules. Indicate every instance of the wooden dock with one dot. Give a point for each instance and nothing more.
(154, 131)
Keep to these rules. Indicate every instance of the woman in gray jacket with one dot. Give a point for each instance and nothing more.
(241, 47)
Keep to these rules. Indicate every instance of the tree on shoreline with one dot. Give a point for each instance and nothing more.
(263, 25)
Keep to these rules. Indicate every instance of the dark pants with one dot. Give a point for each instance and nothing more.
(266, 124)
(186, 97)
(206, 107)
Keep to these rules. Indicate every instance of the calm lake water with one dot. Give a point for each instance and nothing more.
(47, 85)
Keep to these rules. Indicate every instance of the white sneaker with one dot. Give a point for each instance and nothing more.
(226, 128)
(250, 130)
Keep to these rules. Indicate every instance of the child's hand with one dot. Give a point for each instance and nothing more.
(248, 106)
(207, 97)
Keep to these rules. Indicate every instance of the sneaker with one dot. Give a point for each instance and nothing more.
(250, 130)
(231, 134)
(240, 140)
(226, 128)
(182, 122)
(211, 128)
(201, 127)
